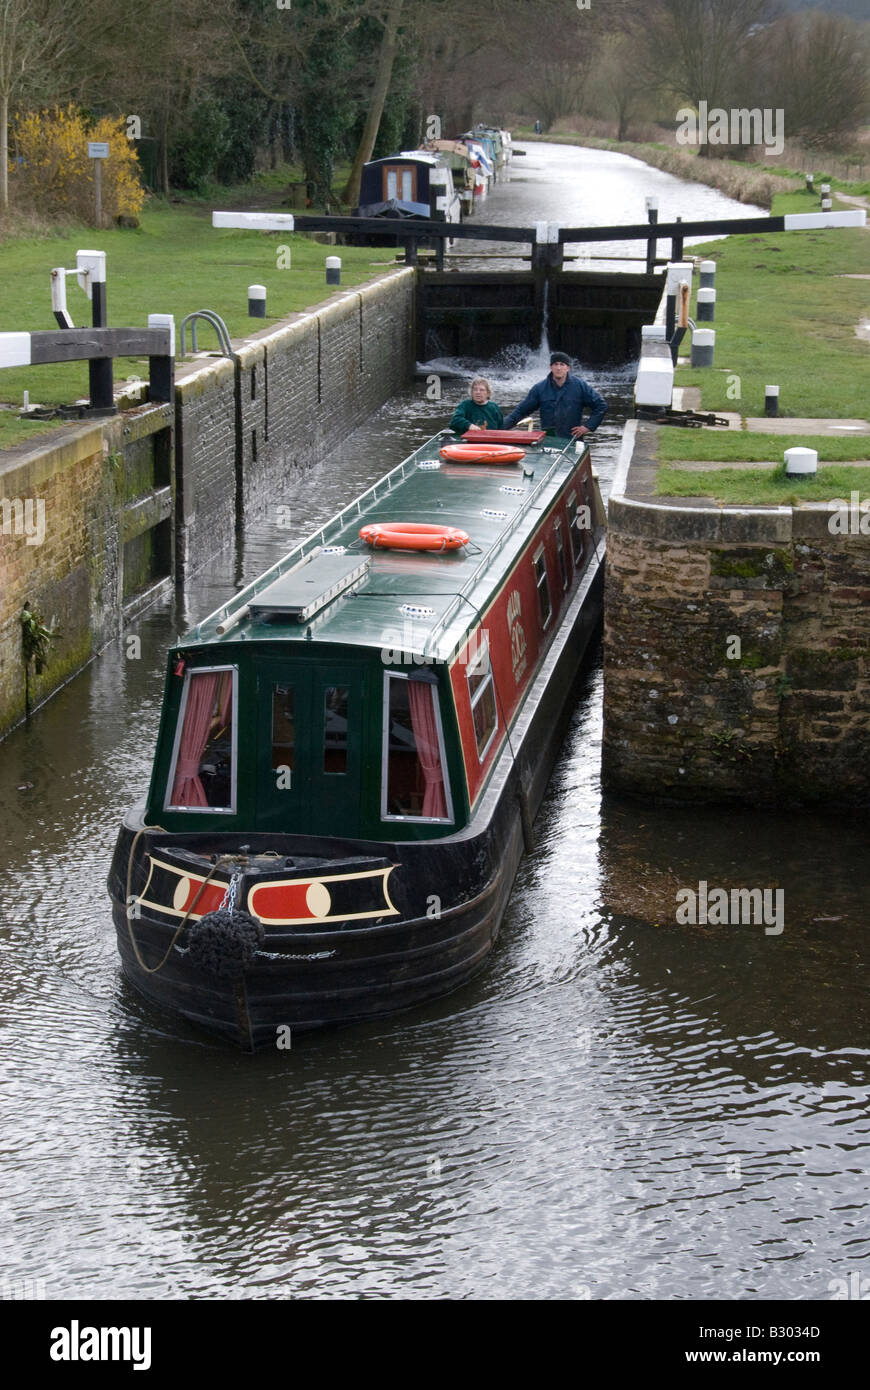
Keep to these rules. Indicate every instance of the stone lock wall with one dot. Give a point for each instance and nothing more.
(150, 495)
(79, 516)
(782, 715)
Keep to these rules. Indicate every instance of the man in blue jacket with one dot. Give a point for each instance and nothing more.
(561, 399)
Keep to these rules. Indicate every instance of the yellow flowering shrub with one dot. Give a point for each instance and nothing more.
(51, 173)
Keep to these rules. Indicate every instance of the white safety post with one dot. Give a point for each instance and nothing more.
(800, 461)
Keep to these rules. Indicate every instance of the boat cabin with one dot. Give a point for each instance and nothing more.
(367, 691)
(415, 183)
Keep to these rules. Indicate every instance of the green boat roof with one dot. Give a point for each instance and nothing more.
(333, 588)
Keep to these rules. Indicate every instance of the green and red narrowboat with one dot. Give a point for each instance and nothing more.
(351, 751)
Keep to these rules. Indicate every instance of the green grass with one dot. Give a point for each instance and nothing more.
(741, 446)
(173, 263)
(783, 316)
(14, 430)
(756, 488)
(859, 187)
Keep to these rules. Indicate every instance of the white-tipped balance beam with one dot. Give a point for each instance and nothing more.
(805, 221)
(255, 221)
(15, 350)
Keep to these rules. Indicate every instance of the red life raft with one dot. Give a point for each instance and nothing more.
(413, 535)
(481, 453)
(523, 437)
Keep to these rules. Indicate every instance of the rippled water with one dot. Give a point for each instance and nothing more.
(617, 1107)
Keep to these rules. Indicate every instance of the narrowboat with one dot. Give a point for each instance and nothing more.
(413, 184)
(462, 168)
(352, 749)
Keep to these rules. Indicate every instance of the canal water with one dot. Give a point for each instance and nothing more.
(618, 1107)
(578, 187)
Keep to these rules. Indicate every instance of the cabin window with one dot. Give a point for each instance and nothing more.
(543, 583)
(481, 691)
(560, 551)
(400, 182)
(202, 776)
(335, 698)
(414, 781)
(283, 727)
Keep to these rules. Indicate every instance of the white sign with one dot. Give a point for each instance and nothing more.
(98, 149)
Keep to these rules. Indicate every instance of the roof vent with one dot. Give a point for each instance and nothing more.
(490, 511)
(516, 491)
(415, 610)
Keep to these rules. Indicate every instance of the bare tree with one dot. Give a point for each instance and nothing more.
(696, 47)
(822, 75)
(383, 73)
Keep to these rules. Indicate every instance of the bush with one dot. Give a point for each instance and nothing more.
(51, 173)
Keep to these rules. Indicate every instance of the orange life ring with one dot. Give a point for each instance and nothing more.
(413, 535)
(481, 453)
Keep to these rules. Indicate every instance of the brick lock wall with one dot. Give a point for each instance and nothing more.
(303, 387)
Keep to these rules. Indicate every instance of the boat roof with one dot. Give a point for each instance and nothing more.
(407, 157)
(333, 588)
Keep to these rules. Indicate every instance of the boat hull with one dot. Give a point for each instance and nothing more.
(443, 905)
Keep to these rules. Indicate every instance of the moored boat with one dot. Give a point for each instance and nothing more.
(352, 749)
(413, 185)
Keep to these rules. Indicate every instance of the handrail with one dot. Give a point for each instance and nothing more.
(301, 551)
(217, 324)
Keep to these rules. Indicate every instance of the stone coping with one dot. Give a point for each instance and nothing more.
(635, 510)
(190, 376)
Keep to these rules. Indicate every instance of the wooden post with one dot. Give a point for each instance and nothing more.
(98, 191)
(677, 244)
(92, 277)
(652, 212)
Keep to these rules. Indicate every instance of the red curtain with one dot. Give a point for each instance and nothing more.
(421, 698)
(187, 789)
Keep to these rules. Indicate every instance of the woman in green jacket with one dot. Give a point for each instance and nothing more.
(478, 411)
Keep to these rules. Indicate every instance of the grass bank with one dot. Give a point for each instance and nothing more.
(787, 306)
(757, 487)
(14, 430)
(739, 446)
(173, 263)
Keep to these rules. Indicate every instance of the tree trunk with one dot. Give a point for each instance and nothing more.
(4, 151)
(386, 57)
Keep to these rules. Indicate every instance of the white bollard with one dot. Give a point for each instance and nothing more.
(703, 344)
(256, 301)
(333, 270)
(771, 400)
(708, 275)
(706, 306)
(800, 461)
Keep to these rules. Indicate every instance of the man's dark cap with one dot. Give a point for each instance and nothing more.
(560, 357)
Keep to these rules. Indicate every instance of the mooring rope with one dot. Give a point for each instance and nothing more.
(153, 969)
